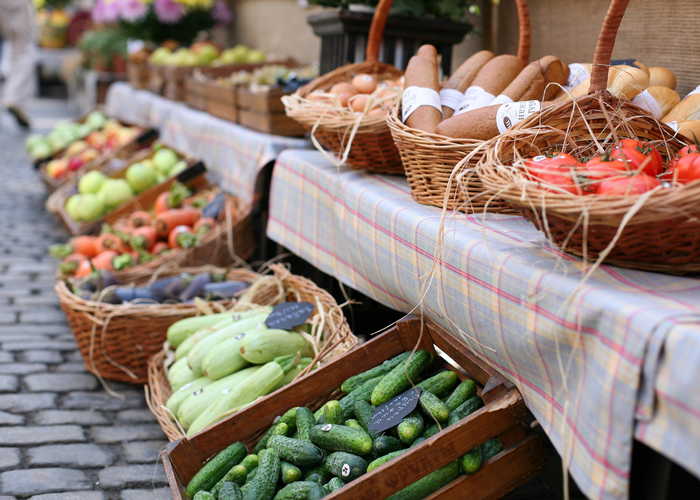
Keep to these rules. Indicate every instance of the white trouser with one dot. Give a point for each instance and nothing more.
(17, 26)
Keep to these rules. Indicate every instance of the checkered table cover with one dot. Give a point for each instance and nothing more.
(596, 362)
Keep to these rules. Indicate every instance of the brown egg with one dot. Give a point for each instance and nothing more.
(386, 94)
(344, 97)
(378, 112)
(343, 88)
(318, 96)
(364, 83)
(388, 83)
(358, 102)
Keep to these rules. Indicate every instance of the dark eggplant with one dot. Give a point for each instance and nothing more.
(195, 287)
(215, 207)
(161, 284)
(224, 290)
(178, 284)
(140, 293)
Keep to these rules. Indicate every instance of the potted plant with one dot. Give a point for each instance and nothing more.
(104, 49)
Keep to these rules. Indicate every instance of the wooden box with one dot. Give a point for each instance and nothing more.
(137, 75)
(195, 95)
(521, 459)
(156, 78)
(264, 112)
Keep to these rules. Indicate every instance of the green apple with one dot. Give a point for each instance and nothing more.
(71, 205)
(160, 55)
(256, 56)
(32, 140)
(91, 182)
(114, 192)
(40, 150)
(206, 54)
(164, 159)
(179, 167)
(96, 119)
(88, 208)
(140, 176)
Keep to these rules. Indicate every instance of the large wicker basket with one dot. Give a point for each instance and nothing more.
(337, 338)
(430, 159)
(658, 230)
(364, 142)
(116, 341)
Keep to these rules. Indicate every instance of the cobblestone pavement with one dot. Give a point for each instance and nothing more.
(62, 437)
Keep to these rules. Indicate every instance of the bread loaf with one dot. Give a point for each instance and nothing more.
(666, 97)
(422, 72)
(687, 109)
(688, 128)
(463, 77)
(662, 76)
(529, 82)
(492, 79)
(555, 75)
(627, 81)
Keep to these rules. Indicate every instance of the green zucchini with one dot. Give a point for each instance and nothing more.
(466, 408)
(462, 392)
(216, 468)
(396, 381)
(428, 484)
(183, 377)
(362, 393)
(382, 460)
(300, 453)
(411, 427)
(334, 484)
(491, 448)
(357, 380)
(333, 413)
(225, 359)
(346, 466)
(180, 330)
(180, 395)
(432, 405)
(238, 474)
(334, 437)
(301, 490)
(290, 473)
(204, 495)
(262, 487)
(440, 384)
(471, 461)
(230, 491)
(305, 421)
(174, 369)
(294, 372)
(270, 344)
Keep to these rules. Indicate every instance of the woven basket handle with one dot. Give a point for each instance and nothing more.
(606, 43)
(376, 30)
(525, 31)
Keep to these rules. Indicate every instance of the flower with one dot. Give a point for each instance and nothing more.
(168, 11)
(106, 11)
(133, 10)
(222, 14)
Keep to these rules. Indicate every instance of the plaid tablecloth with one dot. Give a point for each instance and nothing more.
(233, 153)
(592, 360)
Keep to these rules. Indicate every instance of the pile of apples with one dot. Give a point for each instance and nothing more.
(363, 94)
(99, 194)
(204, 53)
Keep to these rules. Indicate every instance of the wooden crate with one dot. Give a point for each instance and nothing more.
(195, 96)
(521, 459)
(156, 78)
(264, 112)
(137, 75)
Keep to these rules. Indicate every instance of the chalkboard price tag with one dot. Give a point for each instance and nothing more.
(287, 315)
(391, 413)
(624, 62)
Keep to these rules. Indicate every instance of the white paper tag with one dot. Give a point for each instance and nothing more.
(474, 98)
(674, 125)
(510, 114)
(501, 99)
(647, 101)
(577, 74)
(133, 46)
(451, 98)
(415, 97)
(696, 91)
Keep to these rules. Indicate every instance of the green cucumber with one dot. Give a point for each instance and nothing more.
(384, 445)
(396, 381)
(216, 468)
(301, 490)
(418, 441)
(257, 385)
(238, 474)
(382, 460)
(333, 413)
(491, 448)
(318, 415)
(357, 380)
(290, 473)
(250, 462)
(318, 474)
(334, 437)
(439, 384)
(230, 491)
(346, 466)
(462, 392)
(432, 405)
(262, 487)
(305, 421)
(354, 424)
(428, 484)
(334, 484)
(180, 395)
(290, 418)
(363, 413)
(274, 430)
(430, 431)
(271, 344)
(362, 393)
(471, 461)
(251, 476)
(300, 453)
(180, 330)
(204, 495)
(466, 408)
(410, 427)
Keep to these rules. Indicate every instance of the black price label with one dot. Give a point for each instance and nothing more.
(624, 62)
(391, 413)
(287, 315)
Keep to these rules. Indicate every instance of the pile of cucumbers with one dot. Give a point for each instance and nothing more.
(306, 455)
(226, 361)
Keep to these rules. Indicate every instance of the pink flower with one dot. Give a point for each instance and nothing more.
(132, 10)
(168, 11)
(106, 11)
(222, 14)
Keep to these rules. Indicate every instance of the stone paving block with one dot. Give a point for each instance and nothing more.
(35, 481)
(11, 419)
(44, 329)
(142, 451)
(80, 417)
(71, 495)
(73, 367)
(22, 368)
(31, 267)
(51, 345)
(9, 335)
(149, 494)
(6, 357)
(10, 458)
(36, 300)
(119, 434)
(74, 356)
(42, 316)
(20, 403)
(8, 318)
(132, 475)
(60, 382)
(101, 400)
(32, 356)
(136, 416)
(17, 436)
(70, 455)
(4, 497)
(9, 383)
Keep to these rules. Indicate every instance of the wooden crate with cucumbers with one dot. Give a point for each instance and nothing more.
(313, 438)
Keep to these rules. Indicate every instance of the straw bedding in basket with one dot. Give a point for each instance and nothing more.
(332, 331)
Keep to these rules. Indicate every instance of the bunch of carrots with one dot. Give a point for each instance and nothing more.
(178, 221)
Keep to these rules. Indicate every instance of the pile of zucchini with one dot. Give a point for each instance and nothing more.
(306, 455)
(227, 361)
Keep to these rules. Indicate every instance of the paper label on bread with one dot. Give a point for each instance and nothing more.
(577, 74)
(501, 99)
(415, 97)
(451, 98)
(647, 101)
(474, 98)
(696, 91)
(510, 114)
(674, 125)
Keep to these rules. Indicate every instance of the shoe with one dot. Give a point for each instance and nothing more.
(20, 115)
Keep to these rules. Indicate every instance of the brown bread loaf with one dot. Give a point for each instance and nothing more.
(422, 71)
(555, 74)
(530, 82)
(463, 77)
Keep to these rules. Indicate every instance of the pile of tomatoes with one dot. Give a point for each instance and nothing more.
(630, 167)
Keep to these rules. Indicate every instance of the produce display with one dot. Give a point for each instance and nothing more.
(206, 53)
(180, 219)
(307, 454)
(271, 76)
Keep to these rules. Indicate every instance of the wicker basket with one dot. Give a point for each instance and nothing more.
(429, 159)
(337, 335)
(366, 145)
(656, 231)
(116, 341)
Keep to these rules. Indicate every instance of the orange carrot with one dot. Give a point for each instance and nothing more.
(84, 245)
(105, 260)
(109, 241)
(162, 202)
(204, 225)
(143, 237)
(71, 263)
(167, 221)
(140, 218)
(182, 237)
(158, 248)
(84, 269)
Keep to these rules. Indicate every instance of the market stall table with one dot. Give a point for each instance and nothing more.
(235, 154)
(597, 362)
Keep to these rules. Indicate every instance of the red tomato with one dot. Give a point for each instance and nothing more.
(640, 155)
(687, 168)
(600, 168)
(693, 148)
(556, 173)
(622, 186)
